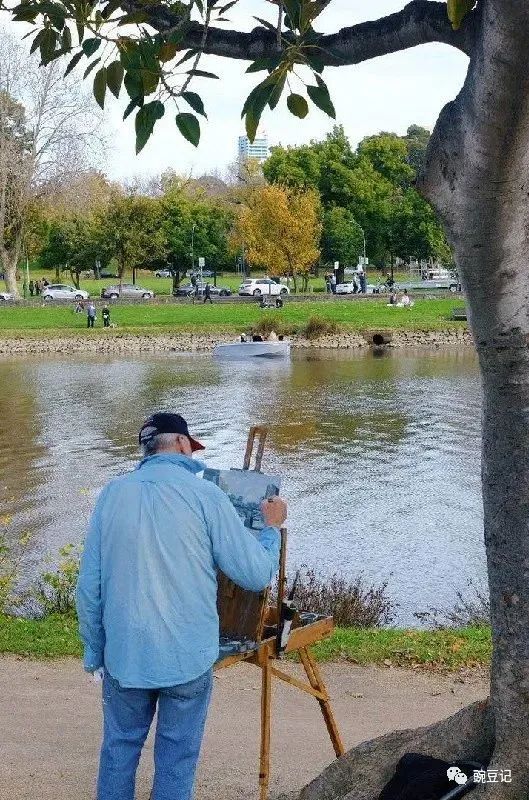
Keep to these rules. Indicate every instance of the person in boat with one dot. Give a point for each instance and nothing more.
(147, 604)
(257, 337)
(273, 337)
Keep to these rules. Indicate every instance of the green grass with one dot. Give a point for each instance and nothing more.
(350, 315)
(56, 636)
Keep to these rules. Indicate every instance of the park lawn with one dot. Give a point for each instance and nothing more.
(427, 314)
(56, 636)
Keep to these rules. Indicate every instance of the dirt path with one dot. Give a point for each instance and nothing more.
(50, 726)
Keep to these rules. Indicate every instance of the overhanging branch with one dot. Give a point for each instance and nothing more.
(419, 22)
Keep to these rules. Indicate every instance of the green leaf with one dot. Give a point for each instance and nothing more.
(251, 123)
(134, 18)
(136, 102)
(133, 84)
(266, 24)
(277, 91)
(189, 127)
(269, 63)
(36, 41)
(110, 7)
(320, 97)
(115, 73)
(187, 56)
(199, 73)
(90, 46)
(100, 86)
(146, 119)
(73, 63)
(195, 101)
(90, 67)
(167, 51)
(457, 11)
(297, 105)
(66, 40)
(227, 7)
(47, 45)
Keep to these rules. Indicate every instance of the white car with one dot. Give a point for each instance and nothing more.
(61, 291)
(6, 296)
(262, 287)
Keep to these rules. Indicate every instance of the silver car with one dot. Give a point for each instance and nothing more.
(126, 290)
(62, 291)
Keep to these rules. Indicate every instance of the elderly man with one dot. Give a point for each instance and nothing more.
(147, 604)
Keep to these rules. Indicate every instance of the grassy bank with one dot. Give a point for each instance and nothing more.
(56, 637)
(173, 318)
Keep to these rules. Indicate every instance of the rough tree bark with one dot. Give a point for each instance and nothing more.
(477, 177)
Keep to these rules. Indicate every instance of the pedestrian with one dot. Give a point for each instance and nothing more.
(31, 287)
(79, 308)
(207, 293)
(105, 313)
(37, 288)
(363, 284)
(195, 292)
(91, 315)
(333, 283)
(147, 604)
(45, 283)
(328, 283)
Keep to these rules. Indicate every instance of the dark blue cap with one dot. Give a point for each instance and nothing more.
(165, 422)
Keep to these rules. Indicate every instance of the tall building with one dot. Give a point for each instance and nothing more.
(258, 149)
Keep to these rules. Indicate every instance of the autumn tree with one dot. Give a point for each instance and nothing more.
(280, 228)
(475, 177)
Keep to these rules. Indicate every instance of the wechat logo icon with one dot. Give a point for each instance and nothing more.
(455, 774)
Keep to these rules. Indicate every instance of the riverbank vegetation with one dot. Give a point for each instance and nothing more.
(426, 314)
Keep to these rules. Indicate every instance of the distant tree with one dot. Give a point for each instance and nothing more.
(131, 231)
(281, 229)
(342, 239)
(388, 153)
(417, 139)
(72, 243)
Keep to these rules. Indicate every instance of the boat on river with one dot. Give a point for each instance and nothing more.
(237, 351)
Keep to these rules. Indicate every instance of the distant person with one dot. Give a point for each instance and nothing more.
(207, 293)
(328, 283)
(355, 286)
(106, 316)
(91, 315)
(333, 284)
(272, 336)
(279, 302)
(193, 279)
(257, 337)
(195, 292)
(31, 287)
(79, 308)
(37, 288)
(406, 301)
(45, 283)
(392, 299)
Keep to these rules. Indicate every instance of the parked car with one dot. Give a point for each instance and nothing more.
(6, 296)
(106, 273)
(126, 290)
(188, 289)
(163, 273)
(260, 286)
(62, 291)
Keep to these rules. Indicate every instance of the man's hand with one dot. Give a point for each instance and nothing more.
(274, 511)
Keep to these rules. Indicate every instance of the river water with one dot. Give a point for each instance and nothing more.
(380, 456)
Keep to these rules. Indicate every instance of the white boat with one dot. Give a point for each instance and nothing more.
(243, 350)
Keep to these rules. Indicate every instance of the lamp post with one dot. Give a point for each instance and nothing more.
(193, 248)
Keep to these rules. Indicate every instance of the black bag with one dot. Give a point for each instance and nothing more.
(419, 777)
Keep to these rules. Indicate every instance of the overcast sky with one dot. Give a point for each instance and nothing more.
(387, 93)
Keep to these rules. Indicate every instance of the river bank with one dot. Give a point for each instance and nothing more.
(105, 341)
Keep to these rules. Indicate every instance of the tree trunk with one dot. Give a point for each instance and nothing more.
(9, 262)
(477, 176)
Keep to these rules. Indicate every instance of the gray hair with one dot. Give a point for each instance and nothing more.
(162, 441)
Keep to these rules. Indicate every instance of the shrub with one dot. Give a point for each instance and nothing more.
(56, 590)
(8, 575)
(268, 323)
(352, 603)
(317, 327)
(468, 612)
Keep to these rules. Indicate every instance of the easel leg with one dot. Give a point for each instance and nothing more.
(266, 702)
(316, 681)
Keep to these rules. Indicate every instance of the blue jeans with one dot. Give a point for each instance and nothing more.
(128, 714)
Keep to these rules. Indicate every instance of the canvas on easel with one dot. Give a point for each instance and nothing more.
(242, 613)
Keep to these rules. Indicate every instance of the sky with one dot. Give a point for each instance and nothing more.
(388, 93)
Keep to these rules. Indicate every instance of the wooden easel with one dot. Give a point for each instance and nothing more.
(300, 640)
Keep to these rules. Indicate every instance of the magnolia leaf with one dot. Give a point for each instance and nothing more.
(195, 101)
(297, 105)
(73, 63)
(320, 97)
(90, 46)
(100, 86)
(457, 11)
(189, 127)
(115, 73)
(146, 119)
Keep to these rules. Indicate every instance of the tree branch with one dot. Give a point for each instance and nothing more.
(419, 22)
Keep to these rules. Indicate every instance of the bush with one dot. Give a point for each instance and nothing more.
(317, 327)
(8, 576)
(268, 323)
(352, 603)
(468, 612)
(56, 590)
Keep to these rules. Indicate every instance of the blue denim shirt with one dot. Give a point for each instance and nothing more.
(147, 591)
